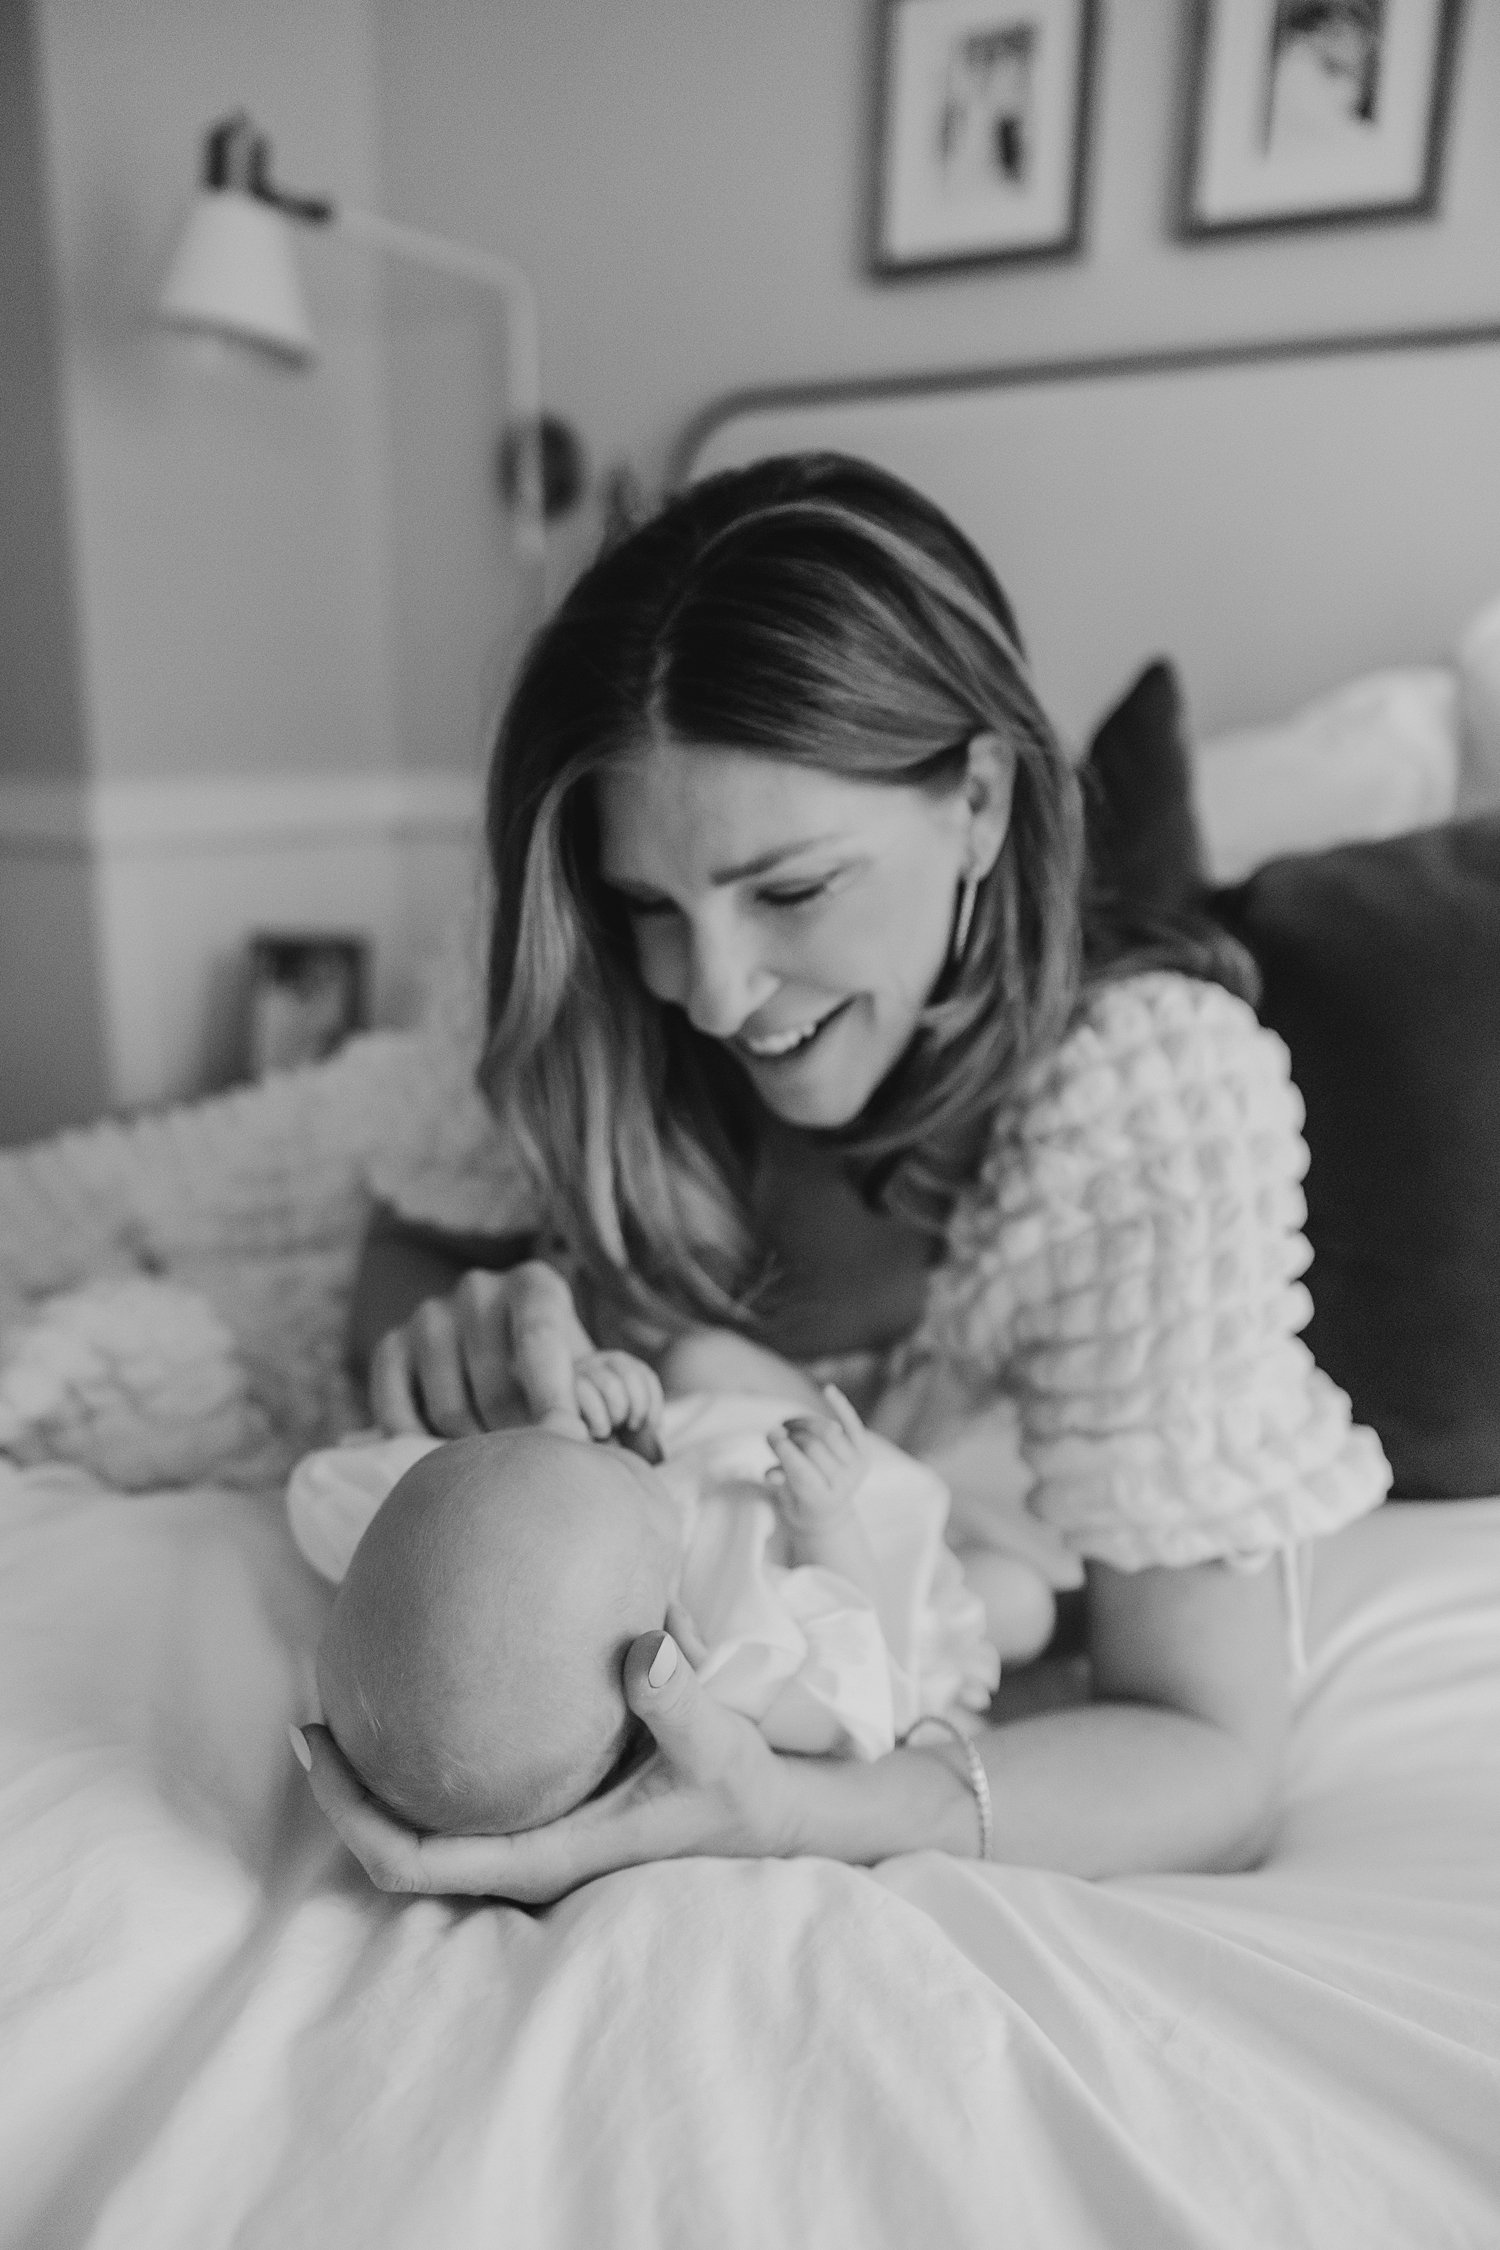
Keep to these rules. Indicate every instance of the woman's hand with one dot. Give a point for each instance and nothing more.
(711, 1785)
(504, 1347)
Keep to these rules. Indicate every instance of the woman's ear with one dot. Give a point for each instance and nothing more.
(988, 787)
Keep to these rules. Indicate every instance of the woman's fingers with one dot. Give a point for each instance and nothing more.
(483, 1347)
(685, 1633)
(393, 1400)
(466, 1362)
(398, 1860)
(724, 1784)
(437, 1349)
(546, 1341)
(389, 1854)
(691, 1730)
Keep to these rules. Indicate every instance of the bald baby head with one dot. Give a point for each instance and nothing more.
(471, 1671)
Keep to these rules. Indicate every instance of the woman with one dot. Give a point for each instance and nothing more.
(802, 1021)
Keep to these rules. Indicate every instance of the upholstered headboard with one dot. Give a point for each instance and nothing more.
(1276, 518)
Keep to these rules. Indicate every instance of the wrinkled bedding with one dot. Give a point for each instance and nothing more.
(212, 2031)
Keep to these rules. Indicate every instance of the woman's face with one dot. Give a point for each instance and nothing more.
(798, 915)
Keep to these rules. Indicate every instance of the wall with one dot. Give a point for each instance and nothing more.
(687, 179)
(48, 934)
(197, 714)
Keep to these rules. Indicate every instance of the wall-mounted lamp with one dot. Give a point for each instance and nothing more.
(235, 275)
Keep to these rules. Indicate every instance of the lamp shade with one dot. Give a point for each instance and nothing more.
(235, 275)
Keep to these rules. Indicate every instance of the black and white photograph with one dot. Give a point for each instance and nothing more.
(749, 1127)
(982, 142)
(1307, 111)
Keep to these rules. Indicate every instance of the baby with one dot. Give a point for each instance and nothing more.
(471, 1670)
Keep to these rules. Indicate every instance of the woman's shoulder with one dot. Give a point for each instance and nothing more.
(1164, 1087)
(1151, 1059)
(1157, 1028)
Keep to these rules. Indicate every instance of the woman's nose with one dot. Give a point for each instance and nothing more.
(726, 984)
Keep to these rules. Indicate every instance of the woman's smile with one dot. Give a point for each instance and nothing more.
(786, 1046)
(798, 915)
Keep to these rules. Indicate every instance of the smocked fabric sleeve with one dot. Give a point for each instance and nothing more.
(1130, 1267)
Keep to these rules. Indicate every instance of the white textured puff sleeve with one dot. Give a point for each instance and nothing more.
(1129, 1265)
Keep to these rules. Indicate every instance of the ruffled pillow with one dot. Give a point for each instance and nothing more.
(1376, 757)
(136, 1380)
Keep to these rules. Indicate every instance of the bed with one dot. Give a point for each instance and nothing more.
(213, 2031)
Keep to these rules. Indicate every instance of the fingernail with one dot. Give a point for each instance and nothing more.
(663, 1663)
(300, 1750)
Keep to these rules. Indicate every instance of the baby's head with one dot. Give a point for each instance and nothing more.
(471, 1670)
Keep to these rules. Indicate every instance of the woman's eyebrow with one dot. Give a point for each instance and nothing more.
(765, 861)
(740, 873)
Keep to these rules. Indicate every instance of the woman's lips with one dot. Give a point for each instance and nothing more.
(783, 1046)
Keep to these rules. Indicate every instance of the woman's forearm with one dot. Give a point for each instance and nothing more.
(1127, 1789)
(1105, 1789)
(1175, 1765)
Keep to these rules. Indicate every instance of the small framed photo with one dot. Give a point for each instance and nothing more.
(983, 132)
(308, 992)
(1303, 112)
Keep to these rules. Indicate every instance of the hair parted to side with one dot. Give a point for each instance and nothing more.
(810, 608)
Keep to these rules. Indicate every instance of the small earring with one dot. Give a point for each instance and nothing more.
(968, 893)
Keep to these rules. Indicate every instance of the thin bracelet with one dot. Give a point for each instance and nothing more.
(979, 1780)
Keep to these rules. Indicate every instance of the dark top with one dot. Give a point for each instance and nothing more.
(847, 1278)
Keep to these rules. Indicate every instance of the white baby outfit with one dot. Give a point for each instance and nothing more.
(820, 1665)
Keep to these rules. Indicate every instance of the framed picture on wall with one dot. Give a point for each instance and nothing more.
(983, 132)
(1303, 112)
(308, 992)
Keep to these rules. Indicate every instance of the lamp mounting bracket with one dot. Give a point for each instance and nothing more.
(236, 156)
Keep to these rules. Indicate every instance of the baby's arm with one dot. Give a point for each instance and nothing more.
(716, 1359)
(822, 1458)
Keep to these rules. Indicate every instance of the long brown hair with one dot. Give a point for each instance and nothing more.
(810, 608)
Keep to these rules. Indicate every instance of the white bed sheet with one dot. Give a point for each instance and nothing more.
(213, 2032)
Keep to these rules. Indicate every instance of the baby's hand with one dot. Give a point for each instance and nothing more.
(620, 1397)
(821, 1461)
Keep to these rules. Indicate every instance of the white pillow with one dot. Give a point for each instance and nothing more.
(1479, 703)
(137, 1380)
(1375, 757)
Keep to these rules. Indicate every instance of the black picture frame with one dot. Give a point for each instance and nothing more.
(308, 992)
(1276, 140)
(961, 181)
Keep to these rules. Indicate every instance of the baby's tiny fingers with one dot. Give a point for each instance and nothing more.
(825, 1460)
(593, 1406)
(804, 1476)
(844, 1414)
(643, 1386)
(611, 1377)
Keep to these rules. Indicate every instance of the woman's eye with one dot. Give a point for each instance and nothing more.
(801, 895)
(643, 909)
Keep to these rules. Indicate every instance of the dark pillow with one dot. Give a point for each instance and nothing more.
(1145, 859)
(1381, 971)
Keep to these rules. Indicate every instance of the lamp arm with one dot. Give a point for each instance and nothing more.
(522, 341)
